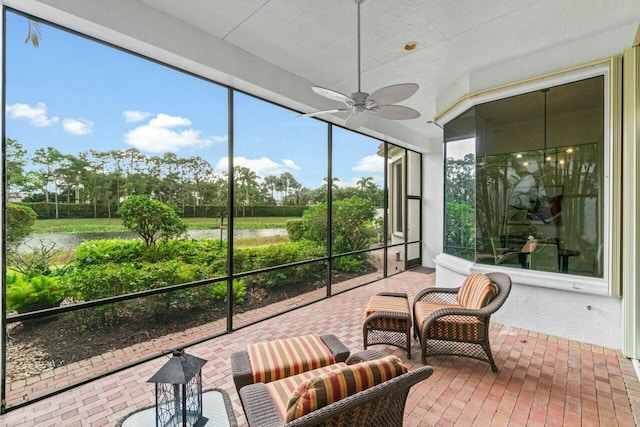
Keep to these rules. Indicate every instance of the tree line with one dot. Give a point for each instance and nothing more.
(104, 179)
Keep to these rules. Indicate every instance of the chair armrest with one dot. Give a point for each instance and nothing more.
(392, 294)
(241, 369)
(442, 295)
(340, 351)
(456, 311)
(364, 356)
(259, 407)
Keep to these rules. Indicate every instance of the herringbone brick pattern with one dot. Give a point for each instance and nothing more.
(542, 380)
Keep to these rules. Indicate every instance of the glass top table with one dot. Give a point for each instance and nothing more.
(216, 406)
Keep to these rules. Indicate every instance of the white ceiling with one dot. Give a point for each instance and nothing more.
(464, 45)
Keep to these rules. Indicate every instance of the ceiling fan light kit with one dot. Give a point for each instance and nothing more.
(361, 104)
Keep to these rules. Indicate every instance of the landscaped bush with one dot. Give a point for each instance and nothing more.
(20, 220)
(256, 258)
(35, 293)
(109, 251)
(91, 282)
(295, 229)
(352, 221)
(195, 251)
(151, 219)
(109, 268)
(349, 263)
(219, 291)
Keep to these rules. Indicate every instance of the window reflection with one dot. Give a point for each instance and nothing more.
(538, 180)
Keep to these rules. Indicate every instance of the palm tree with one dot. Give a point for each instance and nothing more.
(334, 181)
(364, 182)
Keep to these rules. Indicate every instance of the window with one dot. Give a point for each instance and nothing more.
(525, 180)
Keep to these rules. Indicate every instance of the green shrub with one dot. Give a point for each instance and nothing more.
(20, 220)
(106, 280)
(91, 282)
(30, 294)
(219, 291)
(196, 251)
(151, 219)
(295, 229)
(109, 251)
(256, 258)
(348, 264)
(315, 223)
(352, 224)
(352, 221)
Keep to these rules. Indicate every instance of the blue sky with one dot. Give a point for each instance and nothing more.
(74, 94)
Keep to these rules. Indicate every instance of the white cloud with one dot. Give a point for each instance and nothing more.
(372, 163)
(220, 138)
(263, 166)
(78, 127)
(37, 115)
(158, 140)
(167, 121)
(159, 136)
(135, 116)
(290, 164)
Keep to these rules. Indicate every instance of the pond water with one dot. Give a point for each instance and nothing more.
(70, 241)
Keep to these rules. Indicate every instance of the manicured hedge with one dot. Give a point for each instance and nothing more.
(77, 210)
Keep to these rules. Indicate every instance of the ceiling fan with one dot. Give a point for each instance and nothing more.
(362, 104)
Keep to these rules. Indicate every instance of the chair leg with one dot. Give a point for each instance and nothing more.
(487, 349)
(408, 341)
(423, 346)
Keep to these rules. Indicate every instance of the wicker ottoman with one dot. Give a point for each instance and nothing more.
(388, 321)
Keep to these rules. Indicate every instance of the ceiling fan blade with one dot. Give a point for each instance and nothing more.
(332, 94)
(395, 112)
(318, 113)
(356, 120)
(394, 93)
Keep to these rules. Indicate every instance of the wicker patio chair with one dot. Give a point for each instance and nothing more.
(455, 321)
(379, 406)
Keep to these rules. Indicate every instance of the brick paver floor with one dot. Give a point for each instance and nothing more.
(542, 380)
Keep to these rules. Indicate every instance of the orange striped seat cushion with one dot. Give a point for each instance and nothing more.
(391, 304)
(327, 388)
(273, 360)
(454, 328)
(281, 390)
(476, 291)
(387, 303)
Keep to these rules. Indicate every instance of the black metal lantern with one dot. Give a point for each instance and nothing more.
(179, 391)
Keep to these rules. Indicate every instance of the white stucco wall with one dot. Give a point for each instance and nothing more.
(567, 313)
(432, 196)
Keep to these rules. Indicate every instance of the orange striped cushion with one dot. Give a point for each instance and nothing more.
(325, 389)
(387, 303)
(455, 328)
(281, 390)
(476, 291)
(423, 309)
(273, 360)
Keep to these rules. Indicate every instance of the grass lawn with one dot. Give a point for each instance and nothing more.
(90, 225)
